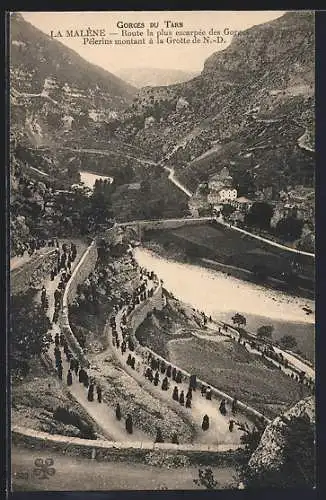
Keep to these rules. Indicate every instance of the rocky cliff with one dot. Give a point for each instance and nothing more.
(54, 91)
(251, 108)
(286, 454)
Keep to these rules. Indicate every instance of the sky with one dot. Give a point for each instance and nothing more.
(116, 57)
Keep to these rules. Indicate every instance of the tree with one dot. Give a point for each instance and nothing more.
(288, 342)
(227, 210)
(206, 479)
(239, 320)
(259, 215)
(251, 436)
(265, 331)
(244, 182)
(289, 228)
(159, 436)
(29, 331)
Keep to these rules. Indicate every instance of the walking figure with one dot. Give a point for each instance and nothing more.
(231, 425)
(175, 394)
(69, 378)
(81, 375)
(223, 407)
(189, 393)
(205, 423)
(182, 398)
(234, 406)
(76, 366)
(165, 384)
(156, 378)
(90, 395)
(193, 382)
(118, 412)
(86, 380)
(99, 393)
(129, 426)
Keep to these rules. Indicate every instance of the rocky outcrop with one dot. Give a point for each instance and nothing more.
(285, 454)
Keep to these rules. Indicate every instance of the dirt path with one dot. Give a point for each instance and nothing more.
(101, 413)
(218, 432)
(80, 474)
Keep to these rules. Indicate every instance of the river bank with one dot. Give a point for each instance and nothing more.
(238, 254)
(221, 295)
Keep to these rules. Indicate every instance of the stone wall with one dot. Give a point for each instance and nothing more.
(33, 272)
(136, 318)
(165, 223)
(85, 266)
(125, 451)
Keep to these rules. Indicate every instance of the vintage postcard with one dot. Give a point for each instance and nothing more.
(162, 250)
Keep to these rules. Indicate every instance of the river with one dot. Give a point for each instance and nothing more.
(220, 295)
(88, 178)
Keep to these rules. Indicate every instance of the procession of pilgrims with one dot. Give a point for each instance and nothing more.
(153, 367)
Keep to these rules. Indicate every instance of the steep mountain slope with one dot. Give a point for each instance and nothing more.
(54, 90)
(144, 77)
(251, 108)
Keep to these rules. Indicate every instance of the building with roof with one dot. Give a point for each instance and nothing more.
(221, 188)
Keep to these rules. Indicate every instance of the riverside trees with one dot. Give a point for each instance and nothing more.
(265, 331)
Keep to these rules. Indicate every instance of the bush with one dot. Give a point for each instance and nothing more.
(69, 417)
(288, 342)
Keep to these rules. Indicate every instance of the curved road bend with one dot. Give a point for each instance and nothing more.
(218, 432)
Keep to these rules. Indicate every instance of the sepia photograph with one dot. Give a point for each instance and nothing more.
(162, 250)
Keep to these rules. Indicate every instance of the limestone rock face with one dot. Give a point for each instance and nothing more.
(273, 455)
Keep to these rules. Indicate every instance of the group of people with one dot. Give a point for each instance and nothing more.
(223, 411)
(154, 367)
(34, 244)
(129, 427)
(75, 368)
(64, 259)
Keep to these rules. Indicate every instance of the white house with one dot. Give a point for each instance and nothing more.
(220, 188)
